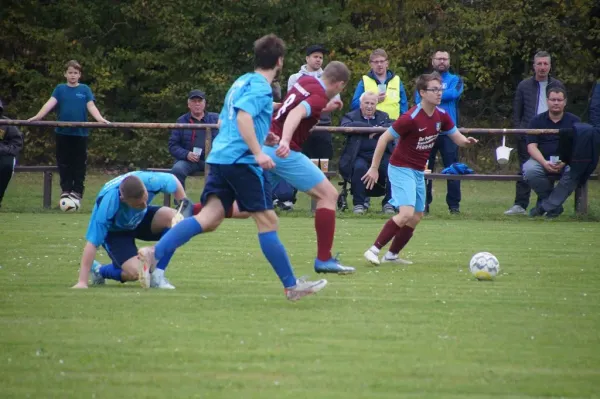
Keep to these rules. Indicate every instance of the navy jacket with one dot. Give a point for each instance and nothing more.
(595, 106)
(183, 141)
(526, 100)
(584, 155)
(353, 141)
(11, 140)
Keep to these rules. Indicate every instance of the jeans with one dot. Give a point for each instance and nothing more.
(359, 191)
(183, 168)
(523, 190)
(549, 197)
(449, 151)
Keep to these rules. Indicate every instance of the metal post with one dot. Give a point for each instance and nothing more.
(47, 189)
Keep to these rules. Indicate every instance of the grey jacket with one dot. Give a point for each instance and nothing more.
(525, 104)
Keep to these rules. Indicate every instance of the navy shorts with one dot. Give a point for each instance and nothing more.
(243, 183)
(120, 245)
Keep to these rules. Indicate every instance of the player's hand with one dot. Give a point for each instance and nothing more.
(471, 141)
(283, 150)
(370, 178)
(193, 157)
(264, 161)
(333, 105)
(272, 139)
(80, 285)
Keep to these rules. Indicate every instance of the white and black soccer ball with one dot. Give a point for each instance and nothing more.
(68, 204)
(484, 266)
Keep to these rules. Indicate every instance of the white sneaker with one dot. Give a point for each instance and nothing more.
(516, 210)
(158, 280)
(396, 259)
(303, 288)
(372, 257)
(146, 265)
(97, 278)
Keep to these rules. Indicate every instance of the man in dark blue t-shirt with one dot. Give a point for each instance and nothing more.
(544, 161)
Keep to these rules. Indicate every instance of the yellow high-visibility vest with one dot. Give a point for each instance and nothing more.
(391, 104)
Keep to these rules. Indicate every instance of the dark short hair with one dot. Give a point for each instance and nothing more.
(73, 64)
(556, 89)
(132, 187)
(439, 50)
(267, 51)
(424, 79)
(336, 71)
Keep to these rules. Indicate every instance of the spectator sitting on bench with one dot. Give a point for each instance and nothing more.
(11, 143)
(359, 149)
(543, 162)
(187, 145)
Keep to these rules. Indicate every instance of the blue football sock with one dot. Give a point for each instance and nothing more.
(164, 261)
(176, 237)
(277, 256)
(110, 272)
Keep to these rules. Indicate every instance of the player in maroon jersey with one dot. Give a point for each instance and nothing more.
(417, 131)
(298, 114)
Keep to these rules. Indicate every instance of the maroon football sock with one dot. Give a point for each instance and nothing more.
(325, 227)
(390, 228)
(401, 239)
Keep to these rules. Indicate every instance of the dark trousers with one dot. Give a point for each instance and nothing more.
(449, 151)
(71, 159)
(7, 165)
(318, 145)
(183, 168)
(359, 191)
(523, 191)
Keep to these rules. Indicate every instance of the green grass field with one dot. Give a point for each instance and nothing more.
(425, 331)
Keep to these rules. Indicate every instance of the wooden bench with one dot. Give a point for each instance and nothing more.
(47, 171)
(581, 193)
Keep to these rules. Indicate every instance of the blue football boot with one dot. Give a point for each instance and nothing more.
(332, 266)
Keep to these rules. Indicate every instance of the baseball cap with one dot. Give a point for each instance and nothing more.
(316, 48)
(196, 93)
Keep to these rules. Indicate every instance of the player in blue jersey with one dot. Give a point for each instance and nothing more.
(237, 164)
(121, 215)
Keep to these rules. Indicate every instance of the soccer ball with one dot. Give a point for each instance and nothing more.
(484, 266)
(69, 204)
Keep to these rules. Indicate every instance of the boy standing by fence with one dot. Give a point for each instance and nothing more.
(74, 100)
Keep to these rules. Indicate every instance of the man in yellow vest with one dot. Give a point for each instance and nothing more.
(392, 96)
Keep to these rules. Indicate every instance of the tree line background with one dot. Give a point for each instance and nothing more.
(141, 57)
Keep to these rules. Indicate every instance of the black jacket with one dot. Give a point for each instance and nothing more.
(11, 140)
(595, 106)
(352, 145)
(579, 148)
(526, 100)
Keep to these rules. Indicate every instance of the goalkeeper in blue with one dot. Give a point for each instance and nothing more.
(237, 163)
(121, 215)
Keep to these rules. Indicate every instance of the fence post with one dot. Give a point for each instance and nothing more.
(47, 189)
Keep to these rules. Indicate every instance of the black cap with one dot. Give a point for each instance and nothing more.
(316, 48)
(196, 93)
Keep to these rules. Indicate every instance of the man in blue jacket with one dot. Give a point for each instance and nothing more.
(187, 145)
(595, 106)
(453, 88)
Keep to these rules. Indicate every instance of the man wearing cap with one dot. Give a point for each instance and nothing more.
(319, 144)
(11, 142)
(187, 145)
(392, 96)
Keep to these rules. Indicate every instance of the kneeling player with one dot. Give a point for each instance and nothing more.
(120, 216)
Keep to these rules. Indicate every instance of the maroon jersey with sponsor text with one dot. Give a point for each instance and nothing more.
(418, 132)
(308, 92)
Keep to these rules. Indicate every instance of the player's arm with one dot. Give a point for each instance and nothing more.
(246, 129)
(292, 121)
(51, 103)
(93, 110)
(89, 254)
(461, 140)
(95, 236)
(372, 175)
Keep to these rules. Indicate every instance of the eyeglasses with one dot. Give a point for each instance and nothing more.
(435, 90)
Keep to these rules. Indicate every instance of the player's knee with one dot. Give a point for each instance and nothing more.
(416, 218)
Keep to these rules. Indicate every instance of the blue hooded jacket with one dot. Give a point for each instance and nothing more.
(453, 88)
(360, 89)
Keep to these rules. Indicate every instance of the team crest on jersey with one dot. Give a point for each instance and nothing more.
(438, 126)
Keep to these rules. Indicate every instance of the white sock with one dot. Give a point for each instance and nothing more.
(374, 249)
(390, 255)
(158, 273)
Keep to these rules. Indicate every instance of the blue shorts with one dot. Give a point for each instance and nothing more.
(296, 169)
(239, 182)
(408, 187)
(120, 245)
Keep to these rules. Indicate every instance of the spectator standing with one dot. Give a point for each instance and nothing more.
(11, 143)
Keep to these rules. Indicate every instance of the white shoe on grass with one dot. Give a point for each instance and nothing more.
(303, 288)
(395, 259)
(146, 265)
(158, 280)
(516, 210)
(372, 257)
